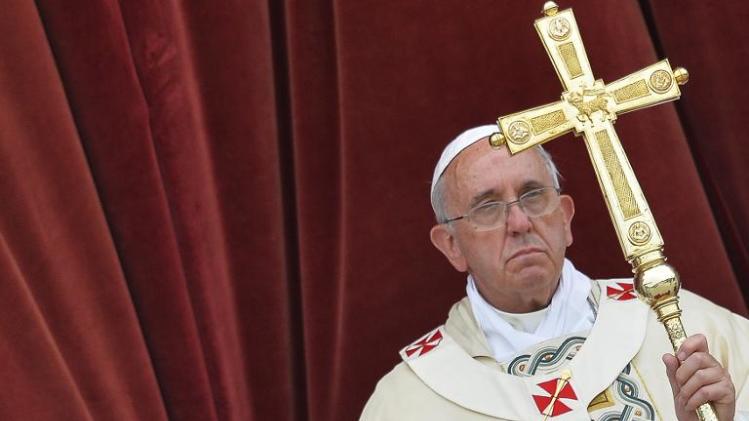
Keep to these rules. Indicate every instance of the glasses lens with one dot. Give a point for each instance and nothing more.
(533, 203)
(487, 216)
(539, 202)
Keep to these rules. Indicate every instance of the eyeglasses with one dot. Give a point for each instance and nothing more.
(490, 215)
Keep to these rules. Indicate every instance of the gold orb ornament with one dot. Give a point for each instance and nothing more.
(550, 8)
(497, 140)
(681, 75)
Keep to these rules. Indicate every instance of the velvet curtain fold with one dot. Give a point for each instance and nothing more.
(219, 211)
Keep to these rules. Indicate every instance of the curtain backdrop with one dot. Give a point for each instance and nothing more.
(220, 210)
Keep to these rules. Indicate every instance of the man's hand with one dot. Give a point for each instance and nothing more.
(696, 377)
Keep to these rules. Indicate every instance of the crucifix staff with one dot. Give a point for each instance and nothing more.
(589, 108)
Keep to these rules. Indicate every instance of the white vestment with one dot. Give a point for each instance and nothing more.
(615, 369)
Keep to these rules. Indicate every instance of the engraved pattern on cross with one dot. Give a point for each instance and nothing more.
(590, 109)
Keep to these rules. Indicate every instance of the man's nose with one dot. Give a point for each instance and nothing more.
(517, 220)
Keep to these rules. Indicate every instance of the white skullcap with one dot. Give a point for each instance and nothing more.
(464, 140)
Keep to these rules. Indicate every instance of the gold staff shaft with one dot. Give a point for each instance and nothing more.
(657, 283)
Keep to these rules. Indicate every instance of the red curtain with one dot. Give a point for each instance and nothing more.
(219, 210)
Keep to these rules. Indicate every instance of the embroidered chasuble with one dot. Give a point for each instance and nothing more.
(612, 371)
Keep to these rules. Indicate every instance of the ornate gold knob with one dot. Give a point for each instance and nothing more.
(657, 283)
(550, 8)
(681, 75)
(497, 140)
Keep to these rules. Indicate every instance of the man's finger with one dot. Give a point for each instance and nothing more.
(672, 364)
(701, 379)
(721, 392)
(694, 363)
(694, 343)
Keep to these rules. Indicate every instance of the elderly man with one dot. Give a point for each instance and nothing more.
(536, 339)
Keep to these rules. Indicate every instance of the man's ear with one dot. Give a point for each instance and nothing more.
(568, 211)
(443, 238)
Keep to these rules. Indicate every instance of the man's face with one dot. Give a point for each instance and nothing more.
(517, 265)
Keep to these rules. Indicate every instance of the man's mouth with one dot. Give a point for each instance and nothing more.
(526, 251)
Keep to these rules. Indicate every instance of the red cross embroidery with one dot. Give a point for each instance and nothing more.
(426, 344)
(622, 293)
(558, 389)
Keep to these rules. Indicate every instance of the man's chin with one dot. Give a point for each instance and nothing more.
(534, 267)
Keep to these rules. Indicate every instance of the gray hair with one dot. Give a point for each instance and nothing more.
(439, 193)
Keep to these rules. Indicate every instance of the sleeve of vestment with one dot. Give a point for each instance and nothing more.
(738, 363)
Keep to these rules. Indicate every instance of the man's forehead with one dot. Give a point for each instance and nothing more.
(475, 156)
(481, 156)
(479, 168)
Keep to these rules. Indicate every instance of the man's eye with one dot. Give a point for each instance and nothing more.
(533, 193)
(489, 205)
(487, 208)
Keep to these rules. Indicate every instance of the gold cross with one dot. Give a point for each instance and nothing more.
(588, 107)
(563, 379)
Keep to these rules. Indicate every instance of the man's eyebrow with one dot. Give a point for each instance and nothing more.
(481, 196)
(530, 185)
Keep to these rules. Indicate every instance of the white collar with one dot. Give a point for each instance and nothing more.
(568, 312)
(525, 322)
